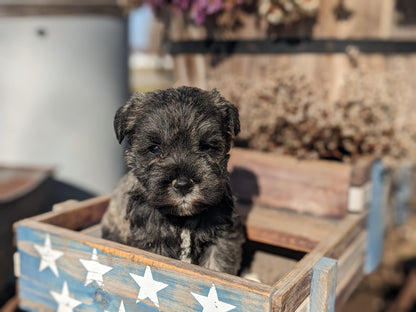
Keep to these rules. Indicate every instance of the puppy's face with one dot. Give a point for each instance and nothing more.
(178, 143)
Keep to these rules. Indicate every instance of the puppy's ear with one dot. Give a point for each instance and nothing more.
(229, 112)
(126, 115)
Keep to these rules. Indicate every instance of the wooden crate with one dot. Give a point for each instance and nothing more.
(63, 264)
(323, 188)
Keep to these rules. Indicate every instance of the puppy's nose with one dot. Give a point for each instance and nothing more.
(182, 185)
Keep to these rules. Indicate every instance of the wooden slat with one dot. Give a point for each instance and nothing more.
(293, 288)
(181, 278)
(284, 228)
(361, 170)
(323, 285)
(305, 305)
(315, 187)
(94, 230)
(82, 214)
(328, 238)
(351, 260)
(351, 269)
(376, 219)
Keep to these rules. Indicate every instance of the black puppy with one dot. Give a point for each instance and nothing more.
(176, 200)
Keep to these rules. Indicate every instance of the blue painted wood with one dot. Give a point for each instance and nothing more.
(323, 286)
(180, 294)
(376, 219)
(402, 193)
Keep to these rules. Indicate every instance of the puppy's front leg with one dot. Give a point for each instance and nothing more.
(223, 256)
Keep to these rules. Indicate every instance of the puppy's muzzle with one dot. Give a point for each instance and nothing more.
(183, 185)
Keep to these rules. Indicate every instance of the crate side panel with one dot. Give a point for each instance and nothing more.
(275, 181)
(56, 268)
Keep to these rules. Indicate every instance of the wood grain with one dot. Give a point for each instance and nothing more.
(361, 170)
(340, 239)
(351, 269)
(290, 291)
(361, 20)
(315, 187)
(323, 285)
(285, 228)
(80, 215)
(305, 305)
(182, 278)
(377, 217)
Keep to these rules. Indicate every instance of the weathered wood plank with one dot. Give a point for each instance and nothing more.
(185, 283)
(81, 214)
(351, 269)
(361, 170)
(355, 277)
(323, 285)
(284, 228)
(94, 230)
(376, 218)
(305, 305)
(290, 291)
(266, 179)
(351, 260)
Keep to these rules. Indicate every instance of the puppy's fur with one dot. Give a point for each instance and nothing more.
(176, 199)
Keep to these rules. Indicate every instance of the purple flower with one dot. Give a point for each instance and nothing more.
(181, 4)
(198, 9)
(213, 6)
(201, 8)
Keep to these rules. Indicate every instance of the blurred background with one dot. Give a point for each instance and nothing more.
(313, 79)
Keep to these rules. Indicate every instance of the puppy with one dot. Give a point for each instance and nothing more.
(176, 199)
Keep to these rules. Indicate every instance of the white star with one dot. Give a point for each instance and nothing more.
(48, 256)
(65, 302)
(121, 308)
(148, 286)
(211, 303)
(95, 269)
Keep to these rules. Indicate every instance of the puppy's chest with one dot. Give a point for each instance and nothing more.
(180, 243)
(186, 246)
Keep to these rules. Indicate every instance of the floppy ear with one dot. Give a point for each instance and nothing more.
(125, 116)
(229, 112)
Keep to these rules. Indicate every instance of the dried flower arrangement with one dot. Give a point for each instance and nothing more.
(275, 11)
(286, 113)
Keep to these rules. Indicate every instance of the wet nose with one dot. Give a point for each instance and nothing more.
(182, 185)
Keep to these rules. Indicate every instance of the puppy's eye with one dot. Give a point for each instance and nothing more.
(155, 149)
(206, 147)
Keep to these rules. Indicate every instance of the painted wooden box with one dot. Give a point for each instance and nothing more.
(304, 263)
(317, 187)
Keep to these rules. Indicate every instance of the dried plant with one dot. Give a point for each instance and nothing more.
(225, 11)
(289, 114)
(287, 11)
